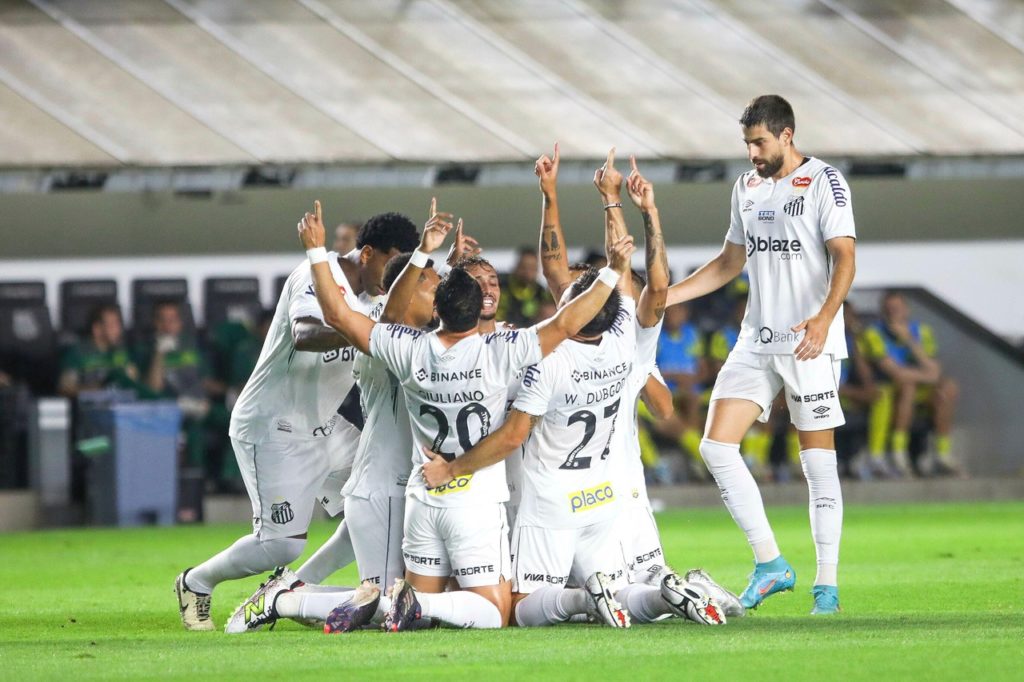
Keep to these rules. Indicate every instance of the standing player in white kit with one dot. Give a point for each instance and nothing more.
(792, 225)
(292, 444)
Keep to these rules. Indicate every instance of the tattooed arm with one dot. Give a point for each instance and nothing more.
(651, 306)
(553, 258)
(608, 181)
(491, 449)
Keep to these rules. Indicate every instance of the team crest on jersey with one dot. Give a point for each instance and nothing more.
(281, 512)
(795, 207)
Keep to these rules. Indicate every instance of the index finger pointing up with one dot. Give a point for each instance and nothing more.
(318, 210)
(610, 161)
(433, 206)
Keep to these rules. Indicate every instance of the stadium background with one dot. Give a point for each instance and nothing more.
(182, 139)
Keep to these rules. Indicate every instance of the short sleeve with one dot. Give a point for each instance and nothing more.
(835, 205)
(647, 343)
(928, 344)
(874, 345)
(302, 296)
(516, 348)
(736, 233)
(538, 387)
(656, 373)
(393, 344)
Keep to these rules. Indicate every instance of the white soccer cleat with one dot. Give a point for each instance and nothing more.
(604, 608)
(194, 607)
(729, 602)
(258, 610)
(688, 601)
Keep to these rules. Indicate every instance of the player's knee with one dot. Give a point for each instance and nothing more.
(283, 551)
(948, 390)
(716, 455)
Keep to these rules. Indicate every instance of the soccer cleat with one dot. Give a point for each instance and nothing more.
(764, 583)
(356, 612)
(194, 607)
(826, 600)
(603, 607)
(689, 602)
(258, 610)
(729, 602)
(405, 608)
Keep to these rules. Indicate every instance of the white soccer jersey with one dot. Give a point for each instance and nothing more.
(382, 461)
(567, 475)
(455, 397)
(296, 394)
(784, 225)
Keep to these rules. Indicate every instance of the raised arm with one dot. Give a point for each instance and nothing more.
(713, 275)
(575, 315)
(404, 288)
(651, 305)
(843, 253)
(608, 181)
(351, 324)
(554, 261)
(489, 450)
(657, 398)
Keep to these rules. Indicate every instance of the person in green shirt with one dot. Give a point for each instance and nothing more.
(100, 360)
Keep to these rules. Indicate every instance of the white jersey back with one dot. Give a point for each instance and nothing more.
(296, 394)
(567, 475)
(455, 397)
(784, 225)
(382, 461)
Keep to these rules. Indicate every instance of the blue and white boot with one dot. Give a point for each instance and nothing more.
(767, 579)
(826, 600)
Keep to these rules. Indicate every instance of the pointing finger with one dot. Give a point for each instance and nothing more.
(318, 209)
(632, 163)
(610, 161)
(555, 160)
(433, 206)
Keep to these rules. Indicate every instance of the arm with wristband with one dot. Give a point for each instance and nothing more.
(402, 291)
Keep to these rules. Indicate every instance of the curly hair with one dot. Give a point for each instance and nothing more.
(386, 231)
(609, 312)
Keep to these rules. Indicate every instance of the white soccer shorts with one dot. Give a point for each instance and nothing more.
(469, 543)
(562, 556)
(284, 481)
(640, 543)
(375, 526)
(812, 386)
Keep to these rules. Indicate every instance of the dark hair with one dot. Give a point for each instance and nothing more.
(386, 231)
(458, 301)
(639, 282)
(772, 112)
(594, 257)
(579, 267)
(467, 262)
(394, 268)
(609, 312)
(166, 303)
(97, 313)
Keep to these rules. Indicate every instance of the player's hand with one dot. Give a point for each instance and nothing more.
(463, 246)
(619, 254)
(901, 330)
(311, 228)
(437, 228)
(640, 189)
(815, 331)
(437, 472)
(608, 179)
(547, 170)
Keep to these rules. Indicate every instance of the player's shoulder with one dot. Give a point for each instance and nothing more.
(827, 179)
(399, 332)
(501, 338)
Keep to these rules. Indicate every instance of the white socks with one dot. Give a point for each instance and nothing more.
(460, 609)
(644, 602)
(741, 496)
(551, 604)
(333, 555)
(826, 510)
(315, 605)
(248, 556)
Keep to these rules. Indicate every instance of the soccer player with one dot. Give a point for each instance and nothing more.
(792, 225)
(455, 383)
(292, 445)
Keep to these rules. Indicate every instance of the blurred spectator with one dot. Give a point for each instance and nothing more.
(521, 295)
(101, 359)
(345, 237)
(173, 367)
(903, 351)
(681, 359)
(857, 393)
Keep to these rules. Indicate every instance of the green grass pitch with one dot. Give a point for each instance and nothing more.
(933, 590)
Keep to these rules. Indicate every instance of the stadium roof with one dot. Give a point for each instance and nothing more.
(187, 83)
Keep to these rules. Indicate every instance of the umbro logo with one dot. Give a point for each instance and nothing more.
(795, 207)
(821, 410)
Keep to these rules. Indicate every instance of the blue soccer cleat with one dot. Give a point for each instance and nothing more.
(826, 600)
(767, 579)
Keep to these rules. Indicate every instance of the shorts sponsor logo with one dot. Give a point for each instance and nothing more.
(473, 570)
(838, 191)
(422, 560)
(766, 216)
(281, 512)
(457, 485)
(585, 500)
(545, 578)
(802, 181)
(648, 556)
(794, 207)
(814, 397)
(768, 335)
(786, 249)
